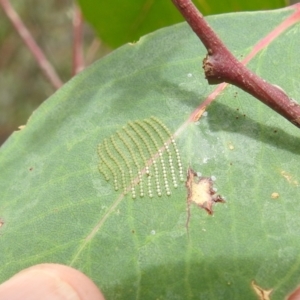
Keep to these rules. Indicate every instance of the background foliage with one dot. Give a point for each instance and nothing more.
(22, 84)
(118, 22)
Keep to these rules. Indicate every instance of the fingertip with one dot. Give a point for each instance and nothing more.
(295, 295)
(50, 281)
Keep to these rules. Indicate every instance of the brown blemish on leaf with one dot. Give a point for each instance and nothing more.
(260, 292)
(1, 222)
(201, 192)
(289, 178)
(274, 195)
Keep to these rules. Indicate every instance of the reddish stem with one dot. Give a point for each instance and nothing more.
(78, 58)
(29, 41)
(221, 66)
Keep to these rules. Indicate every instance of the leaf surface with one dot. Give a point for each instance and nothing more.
(56, 207)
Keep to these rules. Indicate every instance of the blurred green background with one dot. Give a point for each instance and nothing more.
(109, 24)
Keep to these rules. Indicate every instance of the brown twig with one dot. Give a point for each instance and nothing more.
(221, 66)
(78, 58)
(38, 54)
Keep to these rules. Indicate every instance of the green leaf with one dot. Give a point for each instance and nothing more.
(56, 207)
(118, 22)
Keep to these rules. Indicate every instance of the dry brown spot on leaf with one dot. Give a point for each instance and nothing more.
(201, 192)
(1, 222)
(260, 292)
(289, 178)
